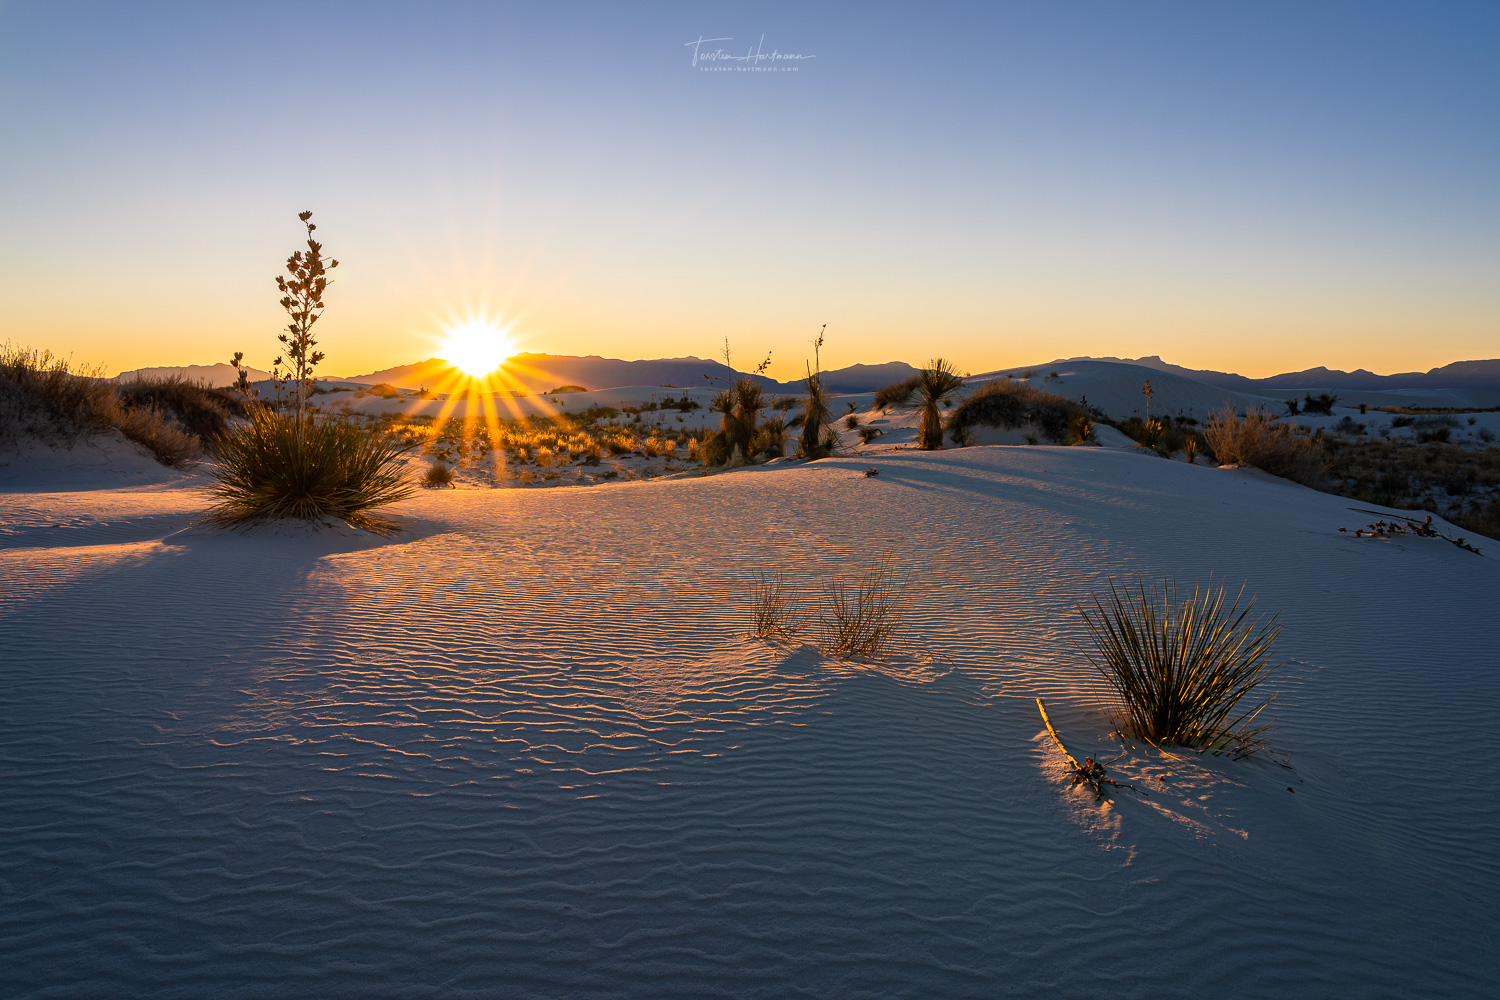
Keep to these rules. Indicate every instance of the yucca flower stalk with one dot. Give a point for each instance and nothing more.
(1182, 665)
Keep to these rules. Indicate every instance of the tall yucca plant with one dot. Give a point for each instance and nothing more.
(935, 386)
(815, 408)
(1181, 665)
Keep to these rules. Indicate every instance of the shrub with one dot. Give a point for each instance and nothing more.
(1482, 520)
(1009, 405)
(861, 620)
(1190, 451)
(851, 422)
(198, 409)
(1291, 407)
(1179, 666)
(438, 475)
(770, 607)
(279, 466)
(566, 388)
(868, 434)
(896, 394)
(41, 395)
(1321, 403)
(167, 443)
(1259, 440)
(1403, 421)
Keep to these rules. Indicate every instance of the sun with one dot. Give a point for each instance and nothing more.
(477, 348)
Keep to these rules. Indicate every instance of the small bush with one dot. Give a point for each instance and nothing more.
(896, 394)
(196, 408)
(1180, 666)
(851, 422)
(438, 475)
(1010, 405)
(41, 395)
(278, 466)
(868, 434)
(567, 388)
(770, 607)
(167, 443)
(1190, 451)
(1260, 441)
(862, 620)
(1321, 403)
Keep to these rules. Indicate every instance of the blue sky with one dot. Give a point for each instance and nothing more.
(1260, 187)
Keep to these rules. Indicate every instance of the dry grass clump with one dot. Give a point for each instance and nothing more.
(278, 466)
(855, 621)
(861, 621)
(438, 476)
(1009, 405)
(771, 609)
(1181, 665)
(196, 408)
(44, 397)
(1260, 440)
(896, 394)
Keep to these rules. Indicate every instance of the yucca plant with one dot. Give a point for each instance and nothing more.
(936, 384)
(1081, 429)
(814, 416)
(1181, 666)
(278, 466)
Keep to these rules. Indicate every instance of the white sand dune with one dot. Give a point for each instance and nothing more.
(1115, 388)
(526, 750)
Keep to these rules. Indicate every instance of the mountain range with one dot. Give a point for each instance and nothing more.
(544, 372)
(1458, 375)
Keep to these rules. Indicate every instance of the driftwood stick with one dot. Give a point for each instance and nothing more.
(1090, 771)
(1060, 745)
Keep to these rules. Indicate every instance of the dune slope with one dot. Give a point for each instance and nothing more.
(526, 749)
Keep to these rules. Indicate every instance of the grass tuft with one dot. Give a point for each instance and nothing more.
(438, 476)
(861, 621)
(1181, 665)
(1260, 440)
(770, 607)
(278, 467)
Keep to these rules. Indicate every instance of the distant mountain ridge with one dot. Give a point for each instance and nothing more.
(1458, 375)
(543, 372)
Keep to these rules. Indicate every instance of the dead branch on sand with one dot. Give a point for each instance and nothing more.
(1090, 771)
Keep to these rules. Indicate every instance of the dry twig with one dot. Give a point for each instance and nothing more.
(1090, 771)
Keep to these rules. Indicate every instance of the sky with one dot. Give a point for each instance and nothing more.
(1256, 187)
